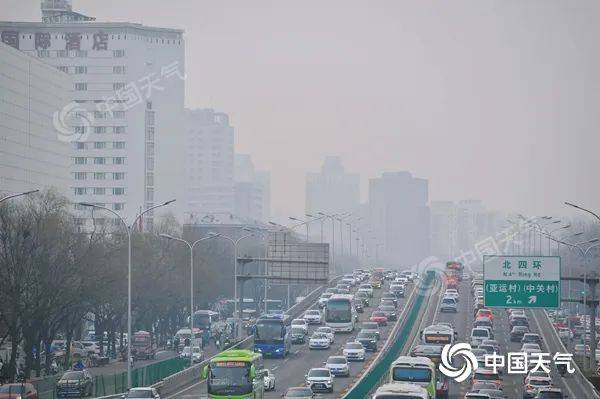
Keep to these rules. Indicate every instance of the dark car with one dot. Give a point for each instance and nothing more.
(391, 296)
(368, 339)
(531, 338)
(74, 383)
(390, 312)
(299, 393)
(298, 336)
(398, 291)
(518, 321)
(358, 305)
(517, 332)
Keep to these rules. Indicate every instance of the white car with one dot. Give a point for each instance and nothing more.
(533, 384)
(338, 365)
(323, 299)
(319, 379)
(368, 288)
(354, 351)
(319, 341)
(143, 392)
(452, 293)
(313, 316)
(268, 379)
(530, 348)
(300, 323)
(328, 331)
(565, 333)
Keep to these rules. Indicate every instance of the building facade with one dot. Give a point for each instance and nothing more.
(251, 190)
(400, 219)
(209, 159)
(124, 122)
(31, 155)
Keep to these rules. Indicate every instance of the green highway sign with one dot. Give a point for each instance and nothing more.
(521, 281)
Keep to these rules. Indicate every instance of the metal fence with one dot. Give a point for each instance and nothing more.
(112, 384)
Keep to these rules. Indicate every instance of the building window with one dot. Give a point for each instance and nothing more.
(79, 129)
(118, 160)
(80, 175)
(79, 145)
(99, 176)
(62, 53)
(119, 206)
(118, 129)
(118, 53)
(118, 175)
(118, 85)
(80, 86)
(150, 163)
(80, 160)
(118, 191)
(99, 145)
(64, 69)
(100, 129)
(149, 194)
(43, 53)
(80, 190)
(81, 53)
(99, 161)
(99, 190)
(119, 145)
(150, 134)
(149, 179)
(119, 114)
(99, 115)
(80, 69)
(119, 69)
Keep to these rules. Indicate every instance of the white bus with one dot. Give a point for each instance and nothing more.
(438, 334)
(415, 370)
(340, 313)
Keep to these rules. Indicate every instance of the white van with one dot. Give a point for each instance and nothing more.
(400, 391)
(478, 335)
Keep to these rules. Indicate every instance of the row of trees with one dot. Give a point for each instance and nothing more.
(52, 276)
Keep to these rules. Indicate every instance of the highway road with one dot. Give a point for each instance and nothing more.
(289, 372)
(513, 384)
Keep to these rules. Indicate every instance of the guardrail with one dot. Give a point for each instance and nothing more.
(378, 369)
(186, 377)
(585, 383)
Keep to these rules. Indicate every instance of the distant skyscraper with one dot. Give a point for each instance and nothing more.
(400, 219)
(31, 155)
(252, 190)
(332, 190)
(209, 165)
(443, 230)
(128, 93)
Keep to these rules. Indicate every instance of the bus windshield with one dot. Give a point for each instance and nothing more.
(339, 311)
(201, 321)
(229, 378)
(411, 374)
(269, 330)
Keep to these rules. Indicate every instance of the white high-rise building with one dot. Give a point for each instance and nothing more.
(31, 155)
(128, 93)
(209, 163)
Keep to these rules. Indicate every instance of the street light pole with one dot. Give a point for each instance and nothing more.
(236, 309)
(129, 229)
(191, 247)
(332, 217)
(10, 196)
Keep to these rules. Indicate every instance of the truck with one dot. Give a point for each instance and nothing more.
(142, 346)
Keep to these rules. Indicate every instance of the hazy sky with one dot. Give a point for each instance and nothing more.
(496, 100)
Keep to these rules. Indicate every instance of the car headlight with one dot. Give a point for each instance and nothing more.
(258, 349)
(278, 350)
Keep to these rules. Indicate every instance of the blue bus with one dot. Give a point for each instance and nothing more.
(272, 336)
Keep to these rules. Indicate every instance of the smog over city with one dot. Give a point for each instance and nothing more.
(235, 199)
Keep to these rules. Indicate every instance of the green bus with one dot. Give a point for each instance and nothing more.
(235, 374)
(415, 370)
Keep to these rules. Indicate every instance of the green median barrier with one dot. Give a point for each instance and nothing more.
(381, 369)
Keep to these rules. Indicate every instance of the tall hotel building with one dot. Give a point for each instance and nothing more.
(126, 115)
